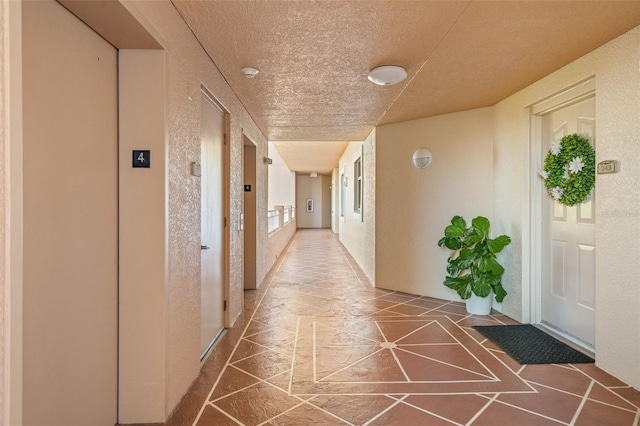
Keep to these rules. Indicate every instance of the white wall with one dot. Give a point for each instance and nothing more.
(357, 232)
(413, 206)
(616, 69)
(282, 181)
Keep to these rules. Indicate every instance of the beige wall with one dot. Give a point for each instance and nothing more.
(308, 187)
(11, 236)
(357, 233)
(3, 199)
(615, 66)
(282, 181)
(186, 68)
(143, 232)
(413, 206)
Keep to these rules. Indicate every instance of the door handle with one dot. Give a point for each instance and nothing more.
(204, 247)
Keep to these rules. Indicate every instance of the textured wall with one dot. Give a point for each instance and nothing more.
(3, 200)
(187, 67)
(615, 66)
(355, 233)
(413, 206)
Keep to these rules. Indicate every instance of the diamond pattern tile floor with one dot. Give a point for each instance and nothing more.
(319, 345)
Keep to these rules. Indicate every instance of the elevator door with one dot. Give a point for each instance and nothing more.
(70, 220)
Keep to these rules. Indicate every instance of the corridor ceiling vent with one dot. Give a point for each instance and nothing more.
(249, 72)
(387, 75)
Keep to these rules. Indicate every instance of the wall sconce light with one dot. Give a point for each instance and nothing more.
(313, 174)
(268, 160)
(344, 181)
(422, 158)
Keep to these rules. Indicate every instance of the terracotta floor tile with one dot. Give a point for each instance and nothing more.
(212, 416)
(403, 415)
(319, 345)
(231, 381)
(356, 409)
(457, 408)
(265, 364)
(547, 402)
(594, 413)
(306, 414)
(601, 394)
(498, 414)
(256, 404)
(557, 377)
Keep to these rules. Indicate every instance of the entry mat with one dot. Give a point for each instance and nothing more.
(529, 345)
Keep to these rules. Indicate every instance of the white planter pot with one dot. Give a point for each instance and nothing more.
(479, 305)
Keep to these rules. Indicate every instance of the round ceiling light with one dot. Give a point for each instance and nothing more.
(387, 75)
(249, 72)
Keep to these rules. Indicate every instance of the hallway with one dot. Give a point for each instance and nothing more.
(318, 345)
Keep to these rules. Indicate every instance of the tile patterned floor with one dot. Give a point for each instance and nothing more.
(320, 346)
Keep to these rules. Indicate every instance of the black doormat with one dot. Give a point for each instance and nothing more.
(529, 345)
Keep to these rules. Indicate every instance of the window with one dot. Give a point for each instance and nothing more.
(357, 185)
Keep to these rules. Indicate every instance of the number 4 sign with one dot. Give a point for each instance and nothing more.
(142, 159)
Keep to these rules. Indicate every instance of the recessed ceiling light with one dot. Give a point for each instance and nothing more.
(387, 75)
(249, 72)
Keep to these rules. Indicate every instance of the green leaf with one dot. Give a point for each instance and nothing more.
(482, 225)
(453, 269)
(459, 222)
(453, 231)
(496, 245)
(460, 285)
(499, 291)
(482, 287)
(472, 239)
(452, 243)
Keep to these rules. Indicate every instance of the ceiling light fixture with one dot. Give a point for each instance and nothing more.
(387, 75)
(249, 72)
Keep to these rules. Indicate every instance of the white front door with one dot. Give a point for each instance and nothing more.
(568, 255)
(212, 224)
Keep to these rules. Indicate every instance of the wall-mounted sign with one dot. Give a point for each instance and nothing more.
(141, 158)
(607, 166)
(196, 169)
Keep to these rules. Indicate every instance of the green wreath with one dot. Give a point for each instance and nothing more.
(570, 170)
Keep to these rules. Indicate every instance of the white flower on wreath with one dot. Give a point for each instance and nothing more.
(556, 146)
(576, 165)
(543, 174)
(556, 193)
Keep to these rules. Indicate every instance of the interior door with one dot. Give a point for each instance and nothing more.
(70, 325)
(568, 287)
(212, 223)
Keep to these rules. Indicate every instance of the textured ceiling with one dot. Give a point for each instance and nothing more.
(314, 56)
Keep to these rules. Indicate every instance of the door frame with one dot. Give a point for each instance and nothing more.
(226, 201)
(247, 142)
(532, 253)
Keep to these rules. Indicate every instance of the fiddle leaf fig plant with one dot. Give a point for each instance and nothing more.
(472, 265)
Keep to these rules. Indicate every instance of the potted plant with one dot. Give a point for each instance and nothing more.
(472, 266)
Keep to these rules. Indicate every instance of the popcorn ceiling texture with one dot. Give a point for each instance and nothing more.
(187, 67)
